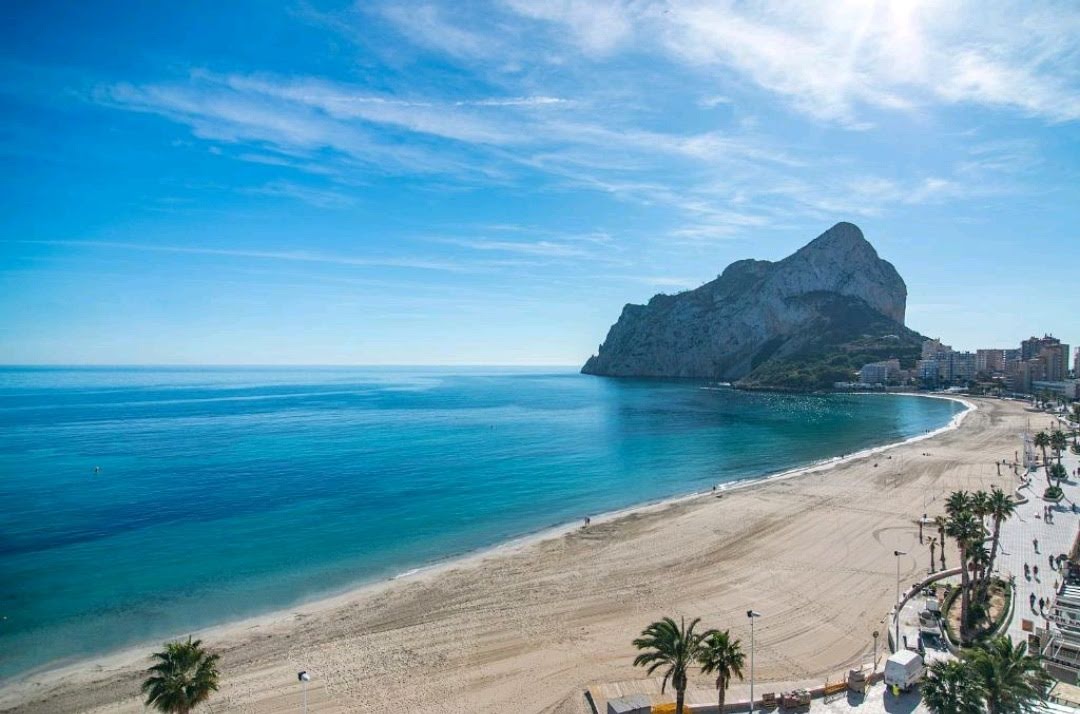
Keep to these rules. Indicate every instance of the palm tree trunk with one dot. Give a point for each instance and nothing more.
(680, 696)
(721, 689)
(994, 544)
(965, 594)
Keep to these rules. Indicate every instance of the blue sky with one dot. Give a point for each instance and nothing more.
(312, 182)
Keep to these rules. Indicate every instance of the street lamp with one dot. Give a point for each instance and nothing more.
(304, 678)
(751, 614)
(898, 553)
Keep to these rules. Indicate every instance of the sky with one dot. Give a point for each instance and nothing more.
(490, 182)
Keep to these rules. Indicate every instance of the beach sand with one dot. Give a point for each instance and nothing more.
(525, 629)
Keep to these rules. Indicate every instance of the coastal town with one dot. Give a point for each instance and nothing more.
(921, 659)
(540, 357)
(1039, 367)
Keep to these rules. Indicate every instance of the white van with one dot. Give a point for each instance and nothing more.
(903, 669)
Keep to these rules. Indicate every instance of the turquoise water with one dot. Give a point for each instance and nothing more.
(229, 492)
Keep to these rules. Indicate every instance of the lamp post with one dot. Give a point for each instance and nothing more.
(751, 614)
(304, 678)
(875, 651)
(896, 640)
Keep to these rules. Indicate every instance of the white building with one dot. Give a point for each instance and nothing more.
(887, 372)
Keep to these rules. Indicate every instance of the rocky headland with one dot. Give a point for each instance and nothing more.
(800, 323)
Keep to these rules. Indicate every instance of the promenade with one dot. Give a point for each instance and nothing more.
(1019, 533)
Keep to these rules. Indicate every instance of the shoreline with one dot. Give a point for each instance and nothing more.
(128, 655)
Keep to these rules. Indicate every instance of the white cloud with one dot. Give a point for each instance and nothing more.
(714, 100)
(427, 25)
(598, 26)
(295, 256)
(550, 249)
(848, 62)
(832, 60)
(321, 198)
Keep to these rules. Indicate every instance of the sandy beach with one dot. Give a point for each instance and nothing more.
(526, 628)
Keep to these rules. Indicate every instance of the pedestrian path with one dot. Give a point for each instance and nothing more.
(1018, 546)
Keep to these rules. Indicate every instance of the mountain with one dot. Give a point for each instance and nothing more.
(803, 322)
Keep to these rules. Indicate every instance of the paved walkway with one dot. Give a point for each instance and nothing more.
(909, 625)
(876, 701)
(1018, 537)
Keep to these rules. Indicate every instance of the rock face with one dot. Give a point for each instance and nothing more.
(833, 297)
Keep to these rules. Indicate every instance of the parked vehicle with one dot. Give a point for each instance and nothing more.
(931, 640)
(903, 669)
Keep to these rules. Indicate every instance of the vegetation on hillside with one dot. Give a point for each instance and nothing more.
(846, 335)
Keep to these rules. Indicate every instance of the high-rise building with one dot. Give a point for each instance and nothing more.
(961, 366)
(1033, 346)
(1076, 363)
(990, 361)
(1056, 359)
(928, 371)
(1021, 375)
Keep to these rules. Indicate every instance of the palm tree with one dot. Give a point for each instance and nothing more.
(1002, 507)
(184, 677)
(952, 687)
(957, 502)
(673, 646)
(1059, 442)
(967, 532)
(940, 523)
(1011, 679)
(980, 560)
(1042, 440)
(724, 656)
(979, 505)
(1058, 473)
(979, 565)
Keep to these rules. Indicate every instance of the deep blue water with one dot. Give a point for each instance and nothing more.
(229, 492)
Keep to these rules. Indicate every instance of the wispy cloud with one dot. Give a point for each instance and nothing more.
(719, 175)
(321, 198)
(539, 248)
(428, 25)
(294, 256)
(829, 61)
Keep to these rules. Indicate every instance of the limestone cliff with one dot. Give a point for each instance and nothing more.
(829, 304)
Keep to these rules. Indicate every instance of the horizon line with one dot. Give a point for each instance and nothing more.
(4, 365)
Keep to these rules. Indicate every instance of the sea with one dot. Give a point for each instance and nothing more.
(139, 504)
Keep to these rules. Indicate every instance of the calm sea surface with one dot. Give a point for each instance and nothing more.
(229, 492)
